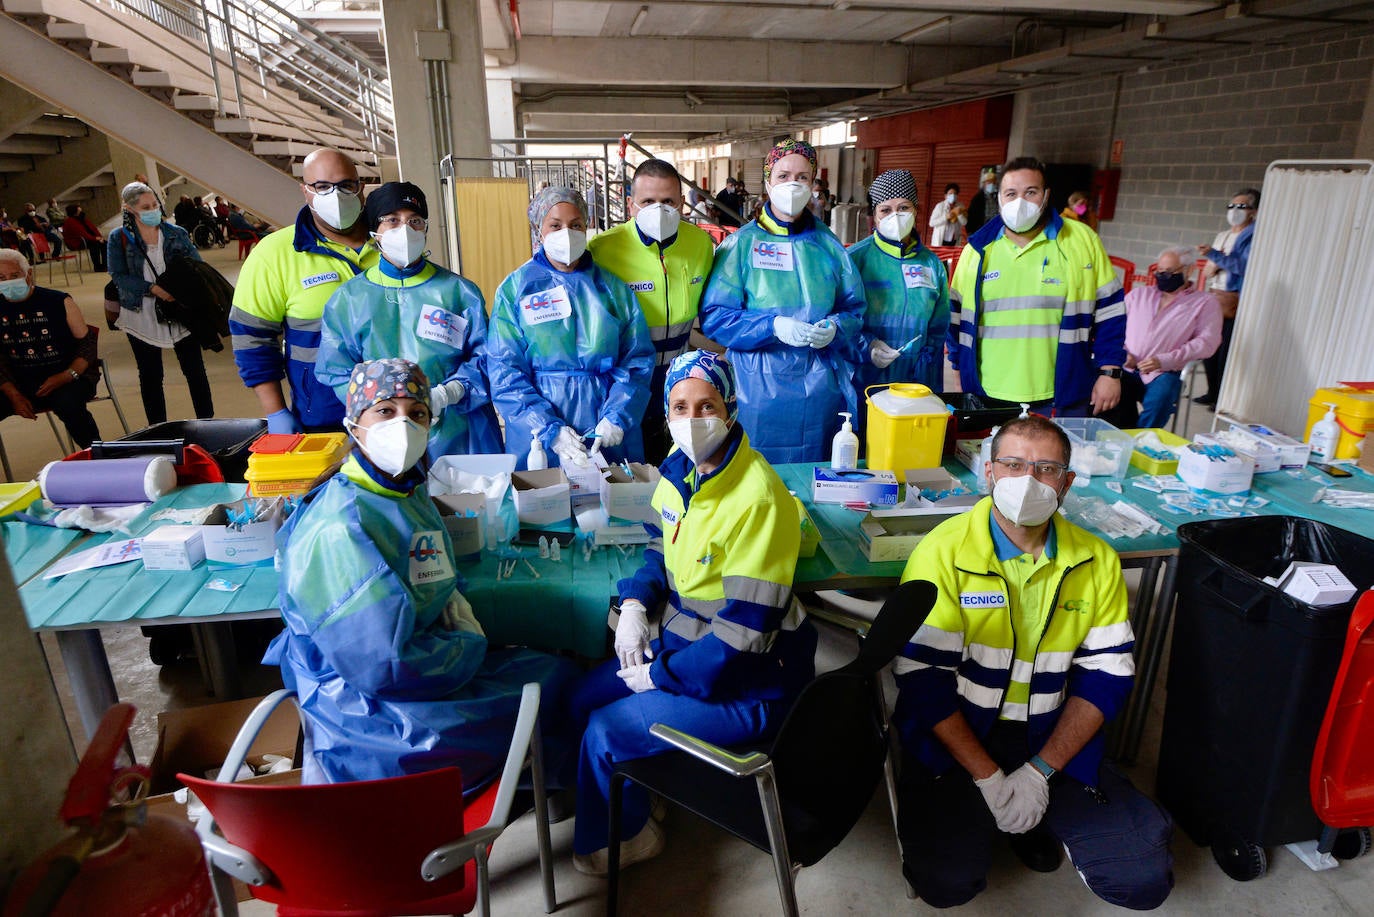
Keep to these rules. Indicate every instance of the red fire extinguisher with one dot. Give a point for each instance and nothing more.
(120, 861)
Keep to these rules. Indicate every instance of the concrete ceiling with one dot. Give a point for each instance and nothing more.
(692, 71)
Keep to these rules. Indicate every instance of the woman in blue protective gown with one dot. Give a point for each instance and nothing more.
(408, 307)
(390, 665)
(570, 355)
(787, 303)
(907, 291)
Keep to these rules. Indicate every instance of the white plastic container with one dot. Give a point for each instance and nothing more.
(844, 448)
(538, 459)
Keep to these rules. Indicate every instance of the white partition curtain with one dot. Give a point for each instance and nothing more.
(1305, 319)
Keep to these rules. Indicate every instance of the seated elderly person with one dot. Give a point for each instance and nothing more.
(1004, 690)
(736, 646)
(47, 352)
(241, 228)
(1168, 325)
(79, 232)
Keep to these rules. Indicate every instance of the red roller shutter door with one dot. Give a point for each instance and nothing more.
(959, 163)
(916, 160)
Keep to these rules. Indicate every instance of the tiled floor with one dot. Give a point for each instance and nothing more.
(701, 872)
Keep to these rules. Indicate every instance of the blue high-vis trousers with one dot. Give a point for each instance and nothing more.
(617, 730)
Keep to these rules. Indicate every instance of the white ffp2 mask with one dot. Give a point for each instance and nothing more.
(897, 226)
(393, 445)
(789, 198)
(338, 210)
(658, 221)
(1020, 214)
(401, 246)
(698, 437)
(1025, 500)
(565, 245)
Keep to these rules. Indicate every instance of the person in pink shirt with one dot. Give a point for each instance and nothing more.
(1168, 325)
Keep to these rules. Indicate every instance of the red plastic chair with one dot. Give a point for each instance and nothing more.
(1127, 272)
(1343, 761)
(246, 241)
(374, 848)
(43, 249)
(949, 255)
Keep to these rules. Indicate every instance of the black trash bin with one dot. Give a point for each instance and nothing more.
(1250, 674)
(226, 439)
(974, 416)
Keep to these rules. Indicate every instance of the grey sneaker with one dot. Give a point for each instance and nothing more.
(645, 845)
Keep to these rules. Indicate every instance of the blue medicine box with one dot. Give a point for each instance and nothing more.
(878, 488)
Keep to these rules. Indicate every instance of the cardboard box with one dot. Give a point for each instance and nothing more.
(252, 544)
(1292, 453)
(542, 496)
(1366, 459)
(878, 488)
(1216, 475)
(1316, 583)
(446, 471)
(465, 531)
(937, 480)
(195, 740)
(1265, 456)
(584, 481)
(626, 498)
(173, 547)
(893, 536)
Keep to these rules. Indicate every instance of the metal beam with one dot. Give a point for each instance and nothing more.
(618, 106)
(704, 62)
(966, 7)
(556, 122)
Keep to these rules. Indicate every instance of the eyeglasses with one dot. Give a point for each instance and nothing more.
(1045, 471)
(1240, 206)
(347, 186)
(419, 224)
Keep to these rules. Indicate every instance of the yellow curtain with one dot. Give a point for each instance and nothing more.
(493, 230)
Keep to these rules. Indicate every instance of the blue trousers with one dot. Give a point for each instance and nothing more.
(617, 730)
(1161, 400)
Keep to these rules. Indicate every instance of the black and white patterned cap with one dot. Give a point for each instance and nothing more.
(892, 183)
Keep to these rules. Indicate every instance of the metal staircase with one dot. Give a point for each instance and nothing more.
(229, 93)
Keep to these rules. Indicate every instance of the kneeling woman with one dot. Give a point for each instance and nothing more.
(390, 665)
(736, 647)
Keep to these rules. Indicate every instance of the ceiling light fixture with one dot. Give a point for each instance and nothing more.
(923, 29)
(640, 16)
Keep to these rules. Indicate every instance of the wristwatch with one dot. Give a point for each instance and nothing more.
(1042, 766)
(1111, 372)
(75, 375)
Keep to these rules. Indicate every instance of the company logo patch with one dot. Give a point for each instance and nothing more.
(917, 277)
(1078, 606)
(697, 279)
(706, 559)
(642, 286)
(1053, 280)
(991, 599)
(771, 256)
(315, 280)
(441, 325)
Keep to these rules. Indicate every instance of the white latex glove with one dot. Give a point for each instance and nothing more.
(458, 615)
(636, 678)
(441, 396)
(608, 433)
(792, 332)
(822, 333)
(632, 634)
(1030, 796)
(995, 793)
(881, 355)
(569, 448)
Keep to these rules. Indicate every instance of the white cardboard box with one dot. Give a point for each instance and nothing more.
(1293, 453)
(1226, 475)
(1316, 583)
(894, 535)
(443, 475)
(254, 543)
(173, 547)
(542, 496)
(584, 481)
(628, 500)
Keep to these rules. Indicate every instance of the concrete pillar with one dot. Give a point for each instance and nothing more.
(38, 759)
(1364, 141)
(501, 109)
(434, 72)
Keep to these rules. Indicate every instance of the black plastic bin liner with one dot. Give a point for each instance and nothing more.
(975, 416)
(1250, 674)
(226, 439)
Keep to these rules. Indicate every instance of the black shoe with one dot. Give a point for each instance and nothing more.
(1208, 399)
(1038, 849)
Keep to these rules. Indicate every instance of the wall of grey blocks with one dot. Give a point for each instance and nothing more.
(1195, 133)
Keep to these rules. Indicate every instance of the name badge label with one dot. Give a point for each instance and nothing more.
(441, 325)
(917, 276)
(982, 600)
(428, 559)
(642, 286)
(771, 256)
(546, 306)
(315, 280)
